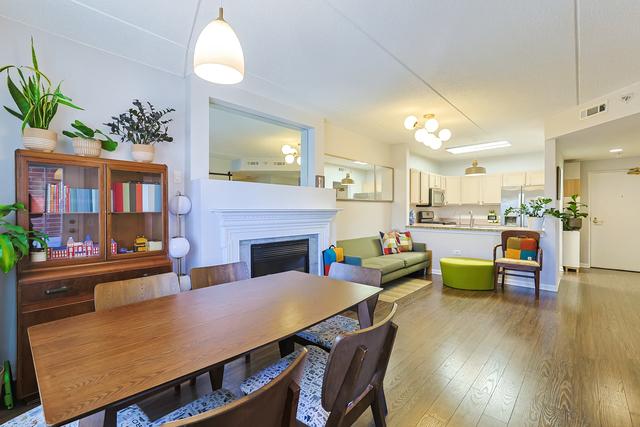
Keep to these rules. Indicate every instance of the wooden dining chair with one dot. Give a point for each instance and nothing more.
(324, 333)
(202, 277)
(123, 292)
(521, 252)
(274, 405)
(336, 388)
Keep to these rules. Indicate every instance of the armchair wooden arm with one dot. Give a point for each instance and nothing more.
(495, 250)
(540, 257)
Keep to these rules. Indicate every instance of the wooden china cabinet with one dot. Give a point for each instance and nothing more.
(106, 221)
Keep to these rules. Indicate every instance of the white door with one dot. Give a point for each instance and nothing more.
(614, 202)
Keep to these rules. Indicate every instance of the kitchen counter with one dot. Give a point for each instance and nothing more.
(480, 227)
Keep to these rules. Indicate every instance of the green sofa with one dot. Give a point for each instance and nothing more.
(367, 252)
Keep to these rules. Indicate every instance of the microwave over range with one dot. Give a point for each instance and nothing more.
(436, 198)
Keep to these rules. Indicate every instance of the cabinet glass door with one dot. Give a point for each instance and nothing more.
(135, 216)
(65, 202)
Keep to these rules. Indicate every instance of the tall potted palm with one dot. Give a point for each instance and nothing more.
(37, 102)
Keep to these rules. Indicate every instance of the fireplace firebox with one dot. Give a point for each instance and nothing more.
(276, 257)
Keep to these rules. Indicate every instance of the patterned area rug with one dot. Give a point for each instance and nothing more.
(402, 288)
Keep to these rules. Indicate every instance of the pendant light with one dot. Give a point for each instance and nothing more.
(218, 56)
(475, 169)
(347, 180)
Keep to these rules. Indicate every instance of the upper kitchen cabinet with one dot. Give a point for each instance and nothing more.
(452, 195)
(514, 179)
(471, 190)
(535, 178)
(414, 186)
(424, 188)
(491, 189)
(436, 181)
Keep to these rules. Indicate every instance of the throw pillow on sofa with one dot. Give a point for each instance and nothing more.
(405, 242)
(389, 243)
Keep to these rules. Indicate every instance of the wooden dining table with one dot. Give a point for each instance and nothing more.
(109, 359)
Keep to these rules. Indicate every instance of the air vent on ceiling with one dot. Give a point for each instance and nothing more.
(594, 110)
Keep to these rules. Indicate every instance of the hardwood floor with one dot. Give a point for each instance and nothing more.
(495, 359)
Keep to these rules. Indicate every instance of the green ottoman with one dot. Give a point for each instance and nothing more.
(467, 273)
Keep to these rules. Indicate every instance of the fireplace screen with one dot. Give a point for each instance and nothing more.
(276, 257)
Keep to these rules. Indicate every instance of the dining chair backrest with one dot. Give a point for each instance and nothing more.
(361, 275)
(518, 233)
(123, 292)
(202, 277)
(274, 405)
(358, 360)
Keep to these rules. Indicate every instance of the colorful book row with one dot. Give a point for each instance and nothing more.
(64, 199)
(136, 197)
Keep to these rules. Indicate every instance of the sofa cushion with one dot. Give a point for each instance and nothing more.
(389, 242)
(364, 247)
(385, 263)
(405, 241)
(410, 258)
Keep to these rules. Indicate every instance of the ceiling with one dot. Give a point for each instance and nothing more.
(236, 135)
(489, 70)
(594, 143)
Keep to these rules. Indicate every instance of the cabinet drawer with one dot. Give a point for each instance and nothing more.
(56, 289)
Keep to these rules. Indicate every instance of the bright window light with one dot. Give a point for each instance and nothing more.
(478, 147)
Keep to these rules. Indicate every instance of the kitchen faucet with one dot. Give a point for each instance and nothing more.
(471, 219)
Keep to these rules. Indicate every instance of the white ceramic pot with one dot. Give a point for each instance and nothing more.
(86, 147)
(38, 256)
(39, 139)
(535, 223)
(142, 153)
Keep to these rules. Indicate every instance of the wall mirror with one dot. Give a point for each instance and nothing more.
(358, 180)
(247, 147)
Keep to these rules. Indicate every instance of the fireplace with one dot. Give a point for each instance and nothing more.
(276, 257)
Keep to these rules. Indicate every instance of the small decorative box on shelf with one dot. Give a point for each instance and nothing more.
(106, 221)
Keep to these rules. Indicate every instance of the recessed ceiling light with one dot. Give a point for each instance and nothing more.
(358, 162)
(616, 150)
(479, 147)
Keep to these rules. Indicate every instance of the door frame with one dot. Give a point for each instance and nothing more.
(589, 178)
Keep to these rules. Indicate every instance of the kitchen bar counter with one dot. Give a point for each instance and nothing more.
(480, 227)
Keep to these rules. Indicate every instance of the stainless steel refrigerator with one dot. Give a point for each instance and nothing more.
(514, 197)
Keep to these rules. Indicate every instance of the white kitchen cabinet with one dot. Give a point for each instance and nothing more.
(471, 190)
(514, 179)
(452, 192)
(424, 188)
(491, 189)
(535, 178)
(414, 186)
(436, 181)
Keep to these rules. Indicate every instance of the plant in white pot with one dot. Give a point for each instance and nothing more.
(143, 127)
(571, 217)
(37, 103)
(89, 142)
(534, 210)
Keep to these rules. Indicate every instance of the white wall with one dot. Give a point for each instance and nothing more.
(104, 85)
(419, 162)
(359, 218)
(498, 164)
(586, 168)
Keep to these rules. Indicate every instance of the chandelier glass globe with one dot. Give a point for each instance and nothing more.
(286, 149)
(421, 135)
(289, 159)
(299, 160)
(444, 135)
(431, 125)
(435, 143)
(410, 122)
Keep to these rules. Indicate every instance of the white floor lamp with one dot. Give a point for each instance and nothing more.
(179, 246)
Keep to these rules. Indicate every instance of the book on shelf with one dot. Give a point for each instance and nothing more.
(64, 199)
(136, 197)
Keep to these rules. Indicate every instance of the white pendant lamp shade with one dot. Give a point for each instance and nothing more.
(179, 247)
(180, 205)
(218, 56)
(444, 135)
(421, 135)
(431, 125)
(410, 122)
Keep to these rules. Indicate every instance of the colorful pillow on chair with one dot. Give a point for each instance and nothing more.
(525, 248)
(389, 242)
(405, 242)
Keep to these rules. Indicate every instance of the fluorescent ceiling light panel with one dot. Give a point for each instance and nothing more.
(616, 150)
(358, 162)
(478, 147)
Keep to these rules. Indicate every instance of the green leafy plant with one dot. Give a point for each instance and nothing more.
(15, 240)
(572, 214)
(141, 125)
(36, 99)
(534, 208)
(84, 131)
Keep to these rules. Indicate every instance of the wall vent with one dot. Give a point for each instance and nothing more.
(594, 110)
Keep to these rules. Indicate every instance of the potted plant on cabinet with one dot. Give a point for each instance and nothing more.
(37, 103)
(571, 217)
(15, 241)
(86, 141)
(142, 127)
(534, 210)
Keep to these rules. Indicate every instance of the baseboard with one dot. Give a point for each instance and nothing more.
(585, 265)
(517, 281)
